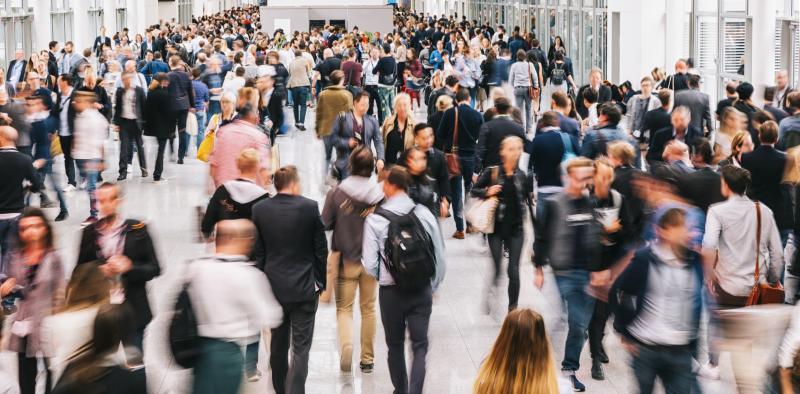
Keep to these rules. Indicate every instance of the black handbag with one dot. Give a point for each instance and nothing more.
(184, 339)
(389, 79)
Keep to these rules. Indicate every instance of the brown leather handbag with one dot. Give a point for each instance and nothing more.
(763, 293)
(451, 158)
(533, 92)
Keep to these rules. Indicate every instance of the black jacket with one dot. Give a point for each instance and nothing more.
(139, 248)
(15, 167)
(766, 166)
(139, 106)
(491, 135)
(603, 95)
(102, 98)
(99, 42)
(469, 125)
(701, 187)
(181, 91)
(435, 96)
(662, 137)
(70, 111)
(291, 247)
(158, 116)
(437, 169)
(522, 186)
(236, 203)
(655, 120)
(11, 67)
(748, 109)
(624, 177)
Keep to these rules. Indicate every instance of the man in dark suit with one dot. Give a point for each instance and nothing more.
(777, 112)
(680, 129)
(698, 104)
(129, 119)
(678, 81)
(701, 187)
(292, 250)
(659, 118)
(123, 249)
(596, 84)
(181, 95)
(101, 40)
(766, 166)
(52, 62)
(492, 134)
(16, 69)
(469, 124)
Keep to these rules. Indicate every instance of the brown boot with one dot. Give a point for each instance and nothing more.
(458, 235)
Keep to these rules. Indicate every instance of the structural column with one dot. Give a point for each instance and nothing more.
(674, 50)
(761, 61)
(110, 17)
(80, 20)
(41, 20)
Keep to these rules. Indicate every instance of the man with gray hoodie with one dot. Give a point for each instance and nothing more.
(346, 207)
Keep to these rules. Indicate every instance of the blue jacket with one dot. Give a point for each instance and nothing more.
(500, 72)
(152, 68)
(629, 290)
(41, 132)
(592, 146)
(436, 59)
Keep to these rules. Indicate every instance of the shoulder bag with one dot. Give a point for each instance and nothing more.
(763, 293)
(451, 158)
(533, 92)
(481, 214)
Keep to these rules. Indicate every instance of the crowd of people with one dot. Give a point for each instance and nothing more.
(649, 210)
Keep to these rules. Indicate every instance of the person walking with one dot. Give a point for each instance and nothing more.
(232, 139)
(493, 133)
(405, 303)
(522, 77)
(334, 100)
(200, 105)
(292, 250)
(299, 85)
(509, 184)
(90, 133)
(397, 130)
(157, 120)
(232, 302)
(65, 113)
(43, 128)
(386, 69)
(36, 278)
(345, 210)
(353, 129)
(181, 96)
(129, 119)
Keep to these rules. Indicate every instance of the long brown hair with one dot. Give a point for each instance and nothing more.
(87, 287)
(521, 361)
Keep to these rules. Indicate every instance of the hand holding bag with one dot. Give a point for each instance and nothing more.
(451, 158)
(482, 213)
(763, 293)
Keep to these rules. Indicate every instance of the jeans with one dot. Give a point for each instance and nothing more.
(183, 140)
(672, 364)
(374, 99)
(540, 197)
(130, 134)
(297, 329)
(300, 96)
(214, 107)
(523, 100)
(219, 368)
(46, 173)
(352, 276)
(328, 141)
(90, 169)
(8, 239)
(400, 310)
(69, 164)
(579, 305)
(159, 167)
(473, 95)
(386, 95)
(461, 186)
(514, 244)
(201, 127)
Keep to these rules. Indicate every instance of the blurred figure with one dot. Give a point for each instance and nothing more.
(493, 133)
(681, 130)
(43, 129)
(702, 186)
(127, 257)
(231, 139)
(95, 369)
(332, 101)
(129, 120)
(639, 105)
(66, 332)
(346, 208)
(740, 144)
(421, 188)
(36, 278)
(233, 302)
(436, 167)
(292, 250)
(354, 129)
(234, 199)
(64, 112)
(658, 301)
(157, 120)
(569, 241)
(181, 94)
(90, 133)
(521, 359)
(509, 184)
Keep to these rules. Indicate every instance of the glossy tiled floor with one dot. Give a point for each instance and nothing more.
(460, 333)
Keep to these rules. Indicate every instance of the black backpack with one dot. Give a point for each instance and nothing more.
(410, 257)
(557, 74)
(184, 340)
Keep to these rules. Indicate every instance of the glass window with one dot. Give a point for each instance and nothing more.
(707, 43)
(796, 52)
(573, 41)
(777, 44)
(600, 42)
(734, 45)
(588, 41)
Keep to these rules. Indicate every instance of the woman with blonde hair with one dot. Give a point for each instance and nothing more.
(521, 360)
(398, 129)
(443, 103)
(731, 122)
(741, 143)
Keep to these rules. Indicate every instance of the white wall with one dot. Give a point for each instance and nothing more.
(643, 37)
(316, 3)
(168, 10)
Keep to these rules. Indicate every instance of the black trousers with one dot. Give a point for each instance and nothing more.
(297, 329)
(374, 99)
(401, 309)
(69, 164)
(514, 245)
(130, 134)
(597, 328)
(159, 168)
(28, 369)
(180, 121)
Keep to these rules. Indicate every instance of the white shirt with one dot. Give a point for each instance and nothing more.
(63, 127)
(91, 130)
(129, 104)
(231, 298)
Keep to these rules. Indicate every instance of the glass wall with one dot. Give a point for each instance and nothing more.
(61, 22)
(95, 17)
(122, 15)
(581, 24)
(16, 30)
(185, 11)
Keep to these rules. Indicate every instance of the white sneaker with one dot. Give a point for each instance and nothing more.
(70, 188)
(709, 371)
(255, 378)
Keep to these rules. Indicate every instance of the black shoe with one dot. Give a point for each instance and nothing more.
(180, 161)
(63, 215)
(367, 368)
(47, 203)
(602, 356)
(144, 174)
(121, 177)
(577, 386)
(597, 370)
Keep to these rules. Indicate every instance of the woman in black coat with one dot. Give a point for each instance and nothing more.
(157, 119)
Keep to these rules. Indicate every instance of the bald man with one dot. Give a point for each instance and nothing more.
(782, 90)
(15, 168)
